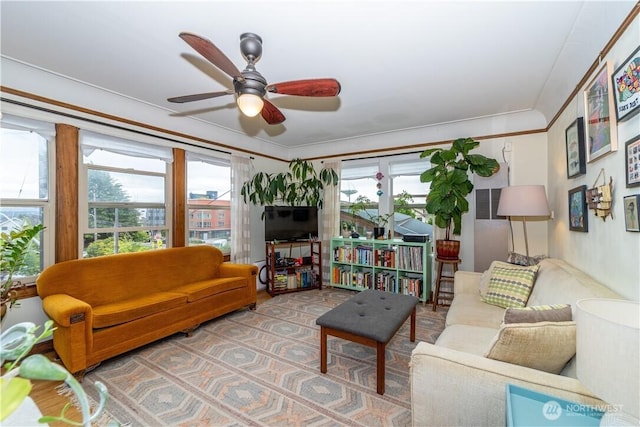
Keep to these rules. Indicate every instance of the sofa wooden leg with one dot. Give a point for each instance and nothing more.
(189, 331)
(79, 376)
(252, 306)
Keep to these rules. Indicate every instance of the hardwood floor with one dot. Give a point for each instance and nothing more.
(45, 395)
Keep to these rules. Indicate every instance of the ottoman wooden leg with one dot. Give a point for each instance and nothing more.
(380, 371)
(323, 350)
(412, 334)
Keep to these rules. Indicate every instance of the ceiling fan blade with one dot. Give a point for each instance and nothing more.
(271, 114)
(199, 96)
(310, 87)
(207, 49)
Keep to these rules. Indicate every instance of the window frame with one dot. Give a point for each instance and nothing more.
(385, 166)
(84, 204)
(214, 220)
(47, 243)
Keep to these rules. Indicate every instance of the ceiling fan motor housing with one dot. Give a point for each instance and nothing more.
(253, 82)
(251, 47)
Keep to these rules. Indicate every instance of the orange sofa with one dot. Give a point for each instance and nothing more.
(105, 306)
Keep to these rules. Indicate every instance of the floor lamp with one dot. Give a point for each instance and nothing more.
(524, 201)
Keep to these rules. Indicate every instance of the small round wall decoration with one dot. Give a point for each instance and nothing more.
(379, 177)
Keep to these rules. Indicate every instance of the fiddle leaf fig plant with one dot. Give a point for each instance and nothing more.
(450, 183)
(301, 185)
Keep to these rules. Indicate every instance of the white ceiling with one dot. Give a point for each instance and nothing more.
(411, 71)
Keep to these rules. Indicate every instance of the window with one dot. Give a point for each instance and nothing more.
(126, 192)
(399, 190)
(209, 201)
(24, 185)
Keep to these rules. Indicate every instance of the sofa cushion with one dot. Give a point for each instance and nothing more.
(510, 285)
(557, 282)
(204, 289)
(469, 309)
(126, 310)
(546, 346)
(467, 338)
(538, 313)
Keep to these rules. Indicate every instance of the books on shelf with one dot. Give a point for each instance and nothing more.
(391, 266)
(386, 257)
(410, 258)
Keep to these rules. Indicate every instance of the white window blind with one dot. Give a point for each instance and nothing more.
(360, 171)
(215, 161)
(91, 141)
(44, 129)
(406, 168)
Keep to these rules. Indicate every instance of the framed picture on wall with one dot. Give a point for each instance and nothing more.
(578, 213)
(626, 86)
(574, 140)
(632, 161)
(631, 221)
(600, 121)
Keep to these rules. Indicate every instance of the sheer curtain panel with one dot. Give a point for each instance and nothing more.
(240, 212)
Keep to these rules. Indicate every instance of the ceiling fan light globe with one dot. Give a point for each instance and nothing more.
(250, 105)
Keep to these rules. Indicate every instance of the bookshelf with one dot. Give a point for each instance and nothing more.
(388, 265)
(292, 274)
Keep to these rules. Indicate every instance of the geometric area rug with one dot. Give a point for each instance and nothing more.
(262, 368)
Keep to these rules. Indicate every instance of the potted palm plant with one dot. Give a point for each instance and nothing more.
(15, 246)
(450, 185)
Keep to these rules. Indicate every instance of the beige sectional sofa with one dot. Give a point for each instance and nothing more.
(453, 383)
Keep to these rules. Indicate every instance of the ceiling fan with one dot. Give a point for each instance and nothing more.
(248, 85)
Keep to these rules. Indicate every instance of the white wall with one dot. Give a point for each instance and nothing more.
(607, 251)
(526, 156)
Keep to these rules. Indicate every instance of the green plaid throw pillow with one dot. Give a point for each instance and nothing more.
(510, 286)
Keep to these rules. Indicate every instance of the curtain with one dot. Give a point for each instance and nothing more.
(240, 212)
(330, 219)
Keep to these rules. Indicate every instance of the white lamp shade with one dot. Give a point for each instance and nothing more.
(523, 200)
(607, 341)
(250, 104)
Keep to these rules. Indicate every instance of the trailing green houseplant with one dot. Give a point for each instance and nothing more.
(15, 384)
(450, 183)
(15, 246)
(301, 185)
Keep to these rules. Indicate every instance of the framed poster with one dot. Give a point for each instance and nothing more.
(631, 221)
(578, 214)
(626, 86)
(574, 140)
(600, 126)
(632, 161)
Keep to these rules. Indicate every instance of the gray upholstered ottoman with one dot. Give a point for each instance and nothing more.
(370, 318)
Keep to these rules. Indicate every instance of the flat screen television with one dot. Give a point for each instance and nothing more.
(290, 223)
